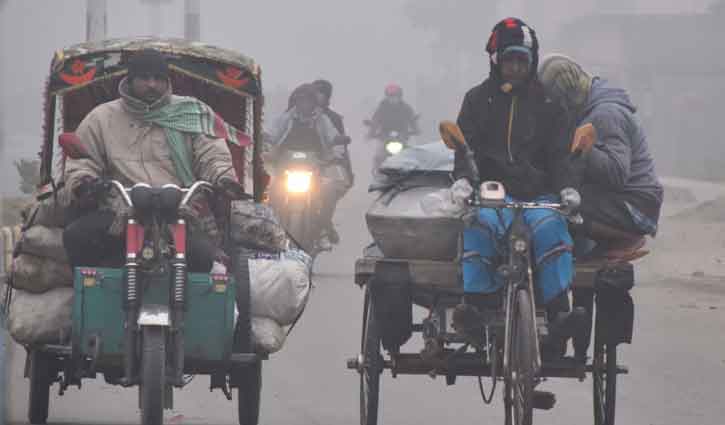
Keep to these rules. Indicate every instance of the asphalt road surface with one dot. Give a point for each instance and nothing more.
(677, 362)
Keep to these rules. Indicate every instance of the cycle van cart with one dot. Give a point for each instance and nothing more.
(507, 350)
(153, 326)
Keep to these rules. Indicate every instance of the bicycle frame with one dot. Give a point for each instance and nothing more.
(517, 272)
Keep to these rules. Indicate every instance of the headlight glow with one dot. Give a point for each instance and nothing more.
(393, 147)
(298, 181)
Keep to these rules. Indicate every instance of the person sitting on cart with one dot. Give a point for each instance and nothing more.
(621, 194)
(520, 139)
(305, 127)
(147, 135)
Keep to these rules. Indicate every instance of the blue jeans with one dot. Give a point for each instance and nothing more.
(483, 245)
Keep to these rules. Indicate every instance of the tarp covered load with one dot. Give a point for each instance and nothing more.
(396, 220)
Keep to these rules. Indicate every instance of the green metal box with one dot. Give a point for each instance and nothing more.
(98, 314)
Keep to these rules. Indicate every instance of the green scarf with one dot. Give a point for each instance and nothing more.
(183, 116)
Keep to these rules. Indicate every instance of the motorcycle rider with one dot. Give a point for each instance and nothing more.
(306, 127)
(324, 95)
(392, 114)
(138, 138)
(521, 139)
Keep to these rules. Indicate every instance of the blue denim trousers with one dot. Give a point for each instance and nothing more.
(484, 244)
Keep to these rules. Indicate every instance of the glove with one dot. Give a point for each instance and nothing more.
(570, 198)
(460, 191)
(232, 189)
(86, 192)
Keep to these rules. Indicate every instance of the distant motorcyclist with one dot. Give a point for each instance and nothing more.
(148, 135)
(305, 127)
(392, 116)
(324, 96)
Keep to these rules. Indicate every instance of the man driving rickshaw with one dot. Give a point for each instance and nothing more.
(148, 135)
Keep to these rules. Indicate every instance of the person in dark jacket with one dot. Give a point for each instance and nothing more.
(521, 139)
(324, 89)
(621, 194)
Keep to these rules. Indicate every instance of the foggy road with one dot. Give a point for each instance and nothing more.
(677, 362)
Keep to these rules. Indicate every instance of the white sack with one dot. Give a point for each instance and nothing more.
(267, 335)
(41, 318)
(279, 288)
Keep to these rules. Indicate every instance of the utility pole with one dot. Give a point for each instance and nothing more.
(155, 15)
(96, 20)
(192, 20)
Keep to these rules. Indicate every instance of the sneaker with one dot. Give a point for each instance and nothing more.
(565, 326)
(468, 322)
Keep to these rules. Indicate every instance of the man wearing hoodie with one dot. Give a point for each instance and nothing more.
(520, 138)
(621, 195)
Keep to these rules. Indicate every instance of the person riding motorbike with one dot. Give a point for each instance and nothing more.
(393, 114)
(306, 127)
(621, 194)
(148, 135)
(324, 96)
(521, 139)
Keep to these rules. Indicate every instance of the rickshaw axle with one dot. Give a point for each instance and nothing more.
(469, 364)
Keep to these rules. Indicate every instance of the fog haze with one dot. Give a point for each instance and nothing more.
(432, 48)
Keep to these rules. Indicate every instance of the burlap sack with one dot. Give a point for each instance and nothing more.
(38, 275)
(46, 242)
(41, 318)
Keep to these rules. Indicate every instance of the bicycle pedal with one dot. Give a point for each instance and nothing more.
(543, 400)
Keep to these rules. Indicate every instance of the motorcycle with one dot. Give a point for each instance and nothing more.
(389, 144)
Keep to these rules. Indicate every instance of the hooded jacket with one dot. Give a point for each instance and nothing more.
(620, 160)
(520, 138)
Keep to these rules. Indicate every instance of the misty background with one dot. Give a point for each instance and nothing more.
(667, 53)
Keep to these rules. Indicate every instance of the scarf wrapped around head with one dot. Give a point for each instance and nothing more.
(565, 81)
(181, 116)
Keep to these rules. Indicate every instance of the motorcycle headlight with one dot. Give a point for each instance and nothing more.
(298, 181)
(393, 147)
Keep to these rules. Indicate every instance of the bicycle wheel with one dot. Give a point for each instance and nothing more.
(604, 365)
(520, 378)
(373, 359)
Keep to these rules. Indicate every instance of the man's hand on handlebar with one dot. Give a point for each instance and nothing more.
(231, 188)
(87, 192)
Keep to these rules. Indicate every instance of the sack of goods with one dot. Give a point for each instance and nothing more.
(42, 299)
(256, 226)
(41, 318)
(268, 336)
(401, 223)
(48, 213)
(279, 290)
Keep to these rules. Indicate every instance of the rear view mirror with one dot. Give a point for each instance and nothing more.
(585, 137)
(72, 146)
(451, 135)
